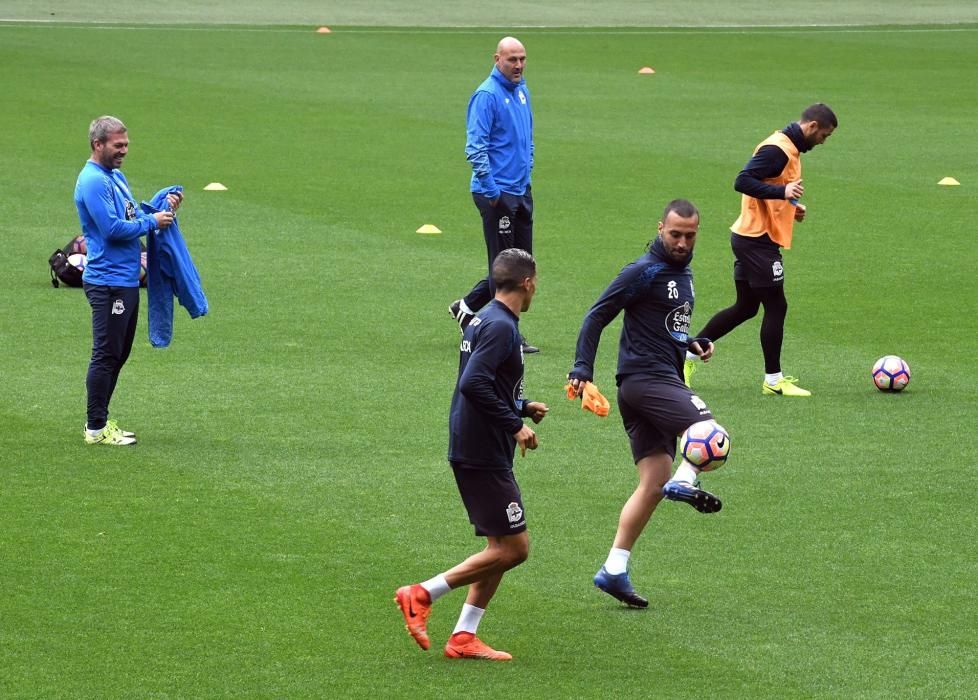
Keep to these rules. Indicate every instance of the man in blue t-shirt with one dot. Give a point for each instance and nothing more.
(499, 146)
(485, 427)
(112, 225)
(655, 292)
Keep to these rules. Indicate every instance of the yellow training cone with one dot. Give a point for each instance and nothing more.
(646, 70)
(429, 228)
(216, 187)
(949, 181)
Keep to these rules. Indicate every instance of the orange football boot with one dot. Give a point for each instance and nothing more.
(465, 645)
(415, 604)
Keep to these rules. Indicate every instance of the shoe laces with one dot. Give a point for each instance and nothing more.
(790, 380)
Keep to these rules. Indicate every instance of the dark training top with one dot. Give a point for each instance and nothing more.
(488, 399)
(657, 297)
(768, 162)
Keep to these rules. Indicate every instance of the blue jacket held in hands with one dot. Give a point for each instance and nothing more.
(170, 272)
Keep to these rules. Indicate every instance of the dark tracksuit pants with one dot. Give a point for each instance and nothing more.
(114, 314)
(509, 224)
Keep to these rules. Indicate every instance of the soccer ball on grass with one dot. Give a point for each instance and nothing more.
(891, 373)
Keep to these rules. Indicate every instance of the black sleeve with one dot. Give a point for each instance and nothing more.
(769, 161)
(605, 309)
(478, 380)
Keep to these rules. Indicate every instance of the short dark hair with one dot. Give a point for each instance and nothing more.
(511, 267)
(683, 208)
(821, 113)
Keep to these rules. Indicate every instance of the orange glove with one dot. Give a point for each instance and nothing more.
(591, 400)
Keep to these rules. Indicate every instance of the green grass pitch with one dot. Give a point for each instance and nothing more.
(291, 469)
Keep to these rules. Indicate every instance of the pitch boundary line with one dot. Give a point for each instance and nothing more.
(610, 31)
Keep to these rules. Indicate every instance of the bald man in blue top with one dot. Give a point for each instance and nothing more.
(499, 146)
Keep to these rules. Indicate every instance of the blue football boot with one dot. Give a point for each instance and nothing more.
(620, 587)
(703, 501)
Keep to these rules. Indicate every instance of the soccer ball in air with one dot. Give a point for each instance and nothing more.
(891, 373)
(705, 445)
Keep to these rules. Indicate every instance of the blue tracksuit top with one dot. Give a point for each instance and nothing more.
(170, 272)
(488, 399)
(111, 224)
(657, 297)
(499, 136)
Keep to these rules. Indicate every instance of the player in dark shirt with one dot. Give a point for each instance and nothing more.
(656, 294)
(485, 427)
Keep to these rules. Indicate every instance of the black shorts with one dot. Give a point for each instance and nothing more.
(492, 499)
(757, 260)
(655, 410)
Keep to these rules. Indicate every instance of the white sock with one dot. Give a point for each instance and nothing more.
(685, 472)
(436, 587)
(617, 561)
(469, 619)
(91, 432)
(465, 307)
(691, 356)
(773, 379)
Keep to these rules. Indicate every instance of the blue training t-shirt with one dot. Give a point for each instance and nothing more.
(112, 225)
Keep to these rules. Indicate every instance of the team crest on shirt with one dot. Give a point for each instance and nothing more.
(522, 96)
(514, 513)
(778, 269)
(677, 322)
(130, 210)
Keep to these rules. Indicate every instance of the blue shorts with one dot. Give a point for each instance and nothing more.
(655, 410)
